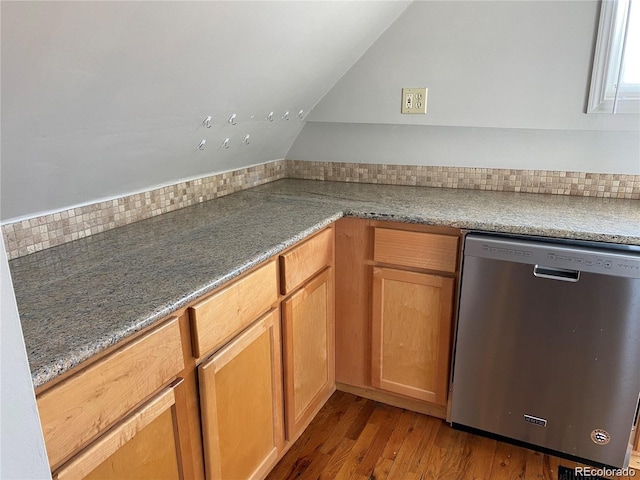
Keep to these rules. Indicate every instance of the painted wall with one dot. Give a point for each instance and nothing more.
(102, 99)
(508, 82)
(22, 451)
(513, 148)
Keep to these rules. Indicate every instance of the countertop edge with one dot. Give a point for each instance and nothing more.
(505, 228)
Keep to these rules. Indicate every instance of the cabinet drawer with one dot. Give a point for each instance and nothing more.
(218, 318)
(416, 249)
(78, 409)
(302, 262)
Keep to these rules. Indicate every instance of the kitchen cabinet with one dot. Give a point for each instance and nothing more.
(308, 330)
(236, 339)
(394, 311)
(304, 260)
(146, 445)
(411, 333)
(241, 403)
(257, 358)
(635, 454)
(218, 318)
(424, 250)
(307, 318)
(363, 247)
(93, 420)
(411, 314)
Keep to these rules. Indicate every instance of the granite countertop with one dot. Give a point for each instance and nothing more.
(79, 298)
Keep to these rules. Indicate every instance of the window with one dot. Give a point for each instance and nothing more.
(615, 81)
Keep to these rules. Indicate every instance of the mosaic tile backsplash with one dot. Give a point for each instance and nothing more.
(497, 179)
(39, 233)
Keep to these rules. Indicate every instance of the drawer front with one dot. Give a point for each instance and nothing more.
(304, 261)
(416, 249)
(80, 408)
(218, 318)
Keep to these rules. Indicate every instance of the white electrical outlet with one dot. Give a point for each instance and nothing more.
(414, 100)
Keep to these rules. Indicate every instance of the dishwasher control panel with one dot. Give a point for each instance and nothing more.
(550, 255)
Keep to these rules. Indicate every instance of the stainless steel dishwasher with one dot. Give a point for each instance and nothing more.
(547, 348)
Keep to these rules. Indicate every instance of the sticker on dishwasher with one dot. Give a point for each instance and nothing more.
(600, 437)
(541, 422)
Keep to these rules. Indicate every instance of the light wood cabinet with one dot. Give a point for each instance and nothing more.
(124, 415)
(411, 333)
(412, 312)
(241, 403)
(308, 340)
(635, 454)
(395, 289)
(259, 359)
(79, 409)
(218, 318)
(303, 261)
(149, 444)
(429, 251)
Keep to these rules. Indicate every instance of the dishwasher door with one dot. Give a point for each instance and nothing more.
(548, 346)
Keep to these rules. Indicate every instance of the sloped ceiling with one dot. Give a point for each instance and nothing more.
(101, 99)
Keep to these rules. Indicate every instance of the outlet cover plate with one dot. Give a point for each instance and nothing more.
(414, 100)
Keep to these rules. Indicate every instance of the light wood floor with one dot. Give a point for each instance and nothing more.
(355, 438)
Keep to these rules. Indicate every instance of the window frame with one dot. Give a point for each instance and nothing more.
(607, 63)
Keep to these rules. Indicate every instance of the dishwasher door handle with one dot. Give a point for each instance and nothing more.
(556, 273)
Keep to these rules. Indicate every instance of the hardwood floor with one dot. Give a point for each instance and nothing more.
(356, 438)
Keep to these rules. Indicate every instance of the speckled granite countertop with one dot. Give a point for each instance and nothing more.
(77, 299)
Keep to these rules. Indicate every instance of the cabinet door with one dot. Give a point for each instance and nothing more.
(411, 333)
(308, 337)
(241, 403)
(149, 444)
(635, 454)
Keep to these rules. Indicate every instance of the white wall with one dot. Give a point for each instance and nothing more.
(22, 451)
(102, 99)
(529, 149)
(508, 82)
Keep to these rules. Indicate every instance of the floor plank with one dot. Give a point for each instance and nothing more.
(409, 447)
(405, 425)
(349, 416)
(509, 462)
(382, 469)
(420, 460)
(387, 425)
(477, 457)
(361, 420)
(447, 453)
(304, 450)
(340, 455)
(534, 466)
(358, 451)
(353, 438)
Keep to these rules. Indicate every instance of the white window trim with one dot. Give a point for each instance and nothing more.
(606, 66)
